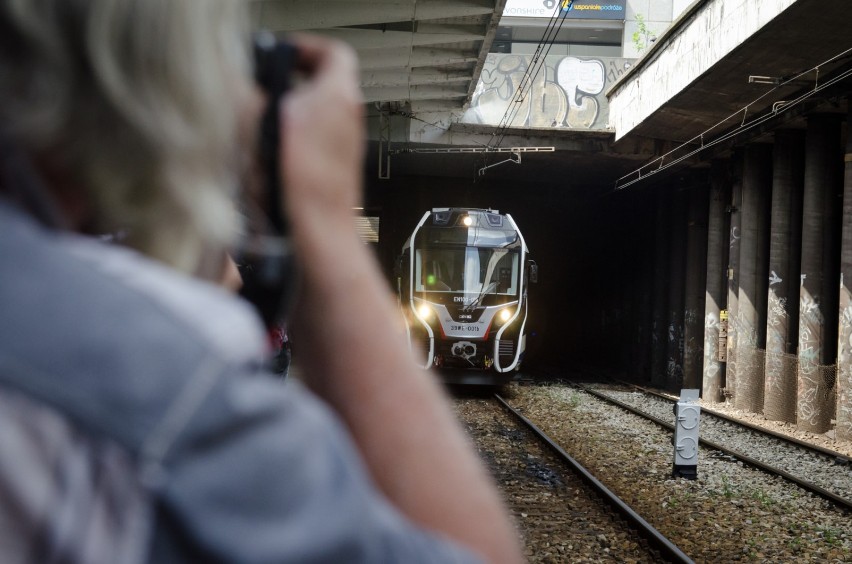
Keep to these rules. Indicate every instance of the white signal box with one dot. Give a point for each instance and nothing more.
(687, 413)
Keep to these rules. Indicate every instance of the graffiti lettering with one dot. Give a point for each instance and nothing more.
(566, 93)
(774, 279)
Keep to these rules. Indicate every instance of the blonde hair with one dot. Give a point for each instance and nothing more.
(138, 101)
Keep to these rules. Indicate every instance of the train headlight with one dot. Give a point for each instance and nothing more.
(467, 220)
(425, 311)
(505, 314)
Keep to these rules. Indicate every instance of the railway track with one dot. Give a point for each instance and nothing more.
(839, 457)
(818, 470)
(731, 512)
(564, 512)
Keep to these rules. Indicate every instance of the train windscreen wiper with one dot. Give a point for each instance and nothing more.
(487, 285)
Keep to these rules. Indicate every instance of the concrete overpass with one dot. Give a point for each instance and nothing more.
(423, 58)
(703, 238)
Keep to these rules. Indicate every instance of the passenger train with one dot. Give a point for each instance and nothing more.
(462, 284)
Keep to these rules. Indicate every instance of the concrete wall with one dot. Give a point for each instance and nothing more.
(656, 17)
(585, 307)
(684, 54)
(567, 92)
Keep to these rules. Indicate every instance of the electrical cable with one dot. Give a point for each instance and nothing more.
(549, 37)
(744, 126)
(537, 61)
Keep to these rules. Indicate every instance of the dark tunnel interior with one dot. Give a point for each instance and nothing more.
(590, 243)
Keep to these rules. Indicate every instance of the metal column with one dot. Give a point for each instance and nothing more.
(642, 304)
(659, 326)
(815, 404)
(696, 269)
(844, 341)
(676, 289)
(752, 283)
(782, 322)
(714, 300)
(733, 274)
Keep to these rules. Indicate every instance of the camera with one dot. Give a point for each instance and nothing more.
(265, 260)
(274, 63)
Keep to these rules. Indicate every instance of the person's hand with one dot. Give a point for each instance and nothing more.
(323, 134)
(231, 278)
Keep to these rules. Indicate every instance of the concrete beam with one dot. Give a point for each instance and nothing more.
(413, 93)
(684, 53)
(444, 107)
(290, 15)
(364, 39)
(405, 76)
(419, 57)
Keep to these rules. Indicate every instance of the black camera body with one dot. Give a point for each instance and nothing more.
(266, 261)
(274, 64)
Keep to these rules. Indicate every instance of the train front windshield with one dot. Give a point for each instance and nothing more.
(469, 270)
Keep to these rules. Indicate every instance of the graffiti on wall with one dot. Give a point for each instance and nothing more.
(811, 387)
(712, 369)
(567, 92)
(844, 366)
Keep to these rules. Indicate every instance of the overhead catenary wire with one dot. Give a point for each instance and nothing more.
(522, 89)
(668, 160)
(531, 73)
(537, 61)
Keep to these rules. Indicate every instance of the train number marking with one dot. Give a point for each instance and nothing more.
(473, 328)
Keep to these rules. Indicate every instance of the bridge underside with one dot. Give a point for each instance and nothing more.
(704, 240)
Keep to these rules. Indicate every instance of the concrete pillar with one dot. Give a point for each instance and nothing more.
(816, 350)
(677, 290)
(733, 273)
(696, 274)
(757, 176)
(715, 292)
(659, 320)
(844, 341)
(782, 322)
(643, 305)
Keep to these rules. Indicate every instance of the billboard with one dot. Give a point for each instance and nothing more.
(578, 9)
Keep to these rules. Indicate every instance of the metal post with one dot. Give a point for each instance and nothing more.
(756, 180)
(384, 143)
(733, 274)
(814, 410)
(676, 289)
(659, 326)
(844, 341)
(642, 304)
(685, 440)
(782, 320)
(696, 273)
(714, 299)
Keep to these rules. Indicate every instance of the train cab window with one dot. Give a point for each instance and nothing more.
(469, 270)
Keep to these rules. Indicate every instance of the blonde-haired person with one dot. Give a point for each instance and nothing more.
(135, 421)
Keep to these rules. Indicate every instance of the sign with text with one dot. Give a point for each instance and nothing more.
(579, 9)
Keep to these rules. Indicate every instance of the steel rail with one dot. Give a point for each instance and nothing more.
(839, 456)
(804, 484)
(667, 549)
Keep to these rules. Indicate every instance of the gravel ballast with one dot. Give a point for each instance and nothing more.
(826, 472)
(730, 513)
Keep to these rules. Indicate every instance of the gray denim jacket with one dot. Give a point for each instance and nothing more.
(137, 424)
